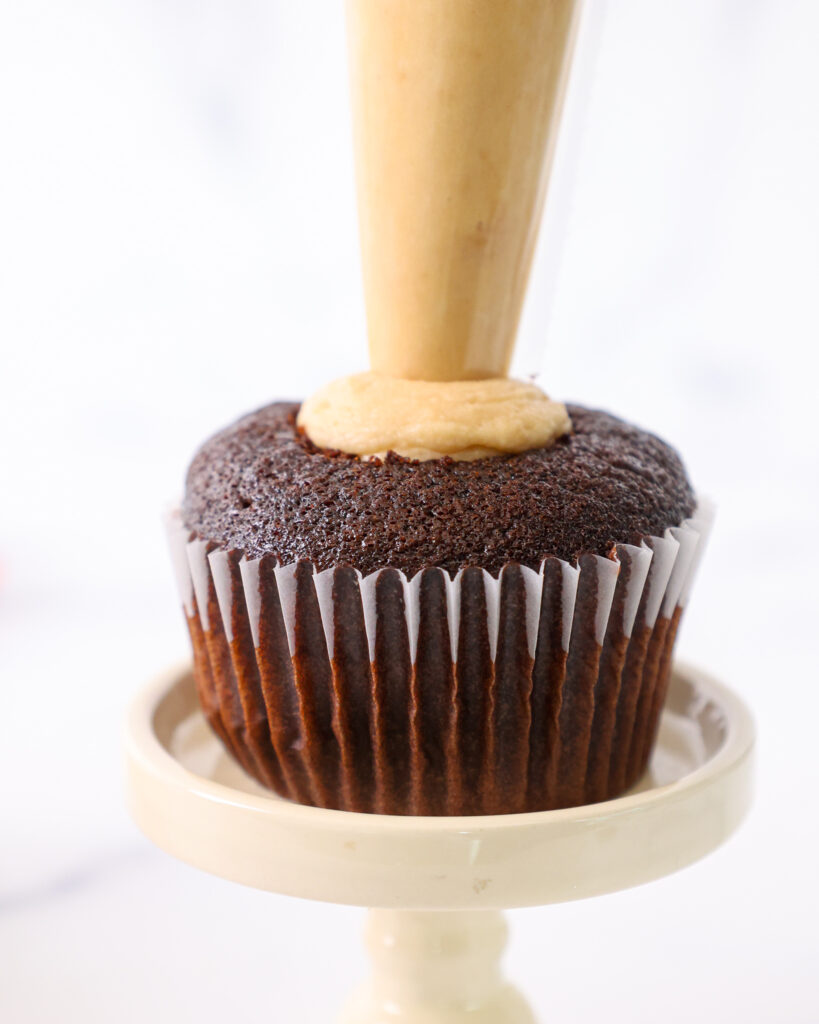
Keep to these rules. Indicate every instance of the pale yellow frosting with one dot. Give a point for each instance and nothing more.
(368, 414)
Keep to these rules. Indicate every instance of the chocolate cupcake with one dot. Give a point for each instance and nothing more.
(436, 637)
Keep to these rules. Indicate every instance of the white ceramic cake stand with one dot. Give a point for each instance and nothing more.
(438, 885)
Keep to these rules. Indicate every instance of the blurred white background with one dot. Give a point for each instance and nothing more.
(178, 245)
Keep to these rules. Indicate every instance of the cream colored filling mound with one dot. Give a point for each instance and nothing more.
(368, 415)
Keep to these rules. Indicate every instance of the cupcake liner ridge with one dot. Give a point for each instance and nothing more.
(438, 694)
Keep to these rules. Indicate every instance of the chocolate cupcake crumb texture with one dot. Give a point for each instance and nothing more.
(261, 487)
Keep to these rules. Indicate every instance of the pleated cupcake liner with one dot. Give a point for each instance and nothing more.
(435, 695)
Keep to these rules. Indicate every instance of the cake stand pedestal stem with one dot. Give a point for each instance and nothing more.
(436, 967)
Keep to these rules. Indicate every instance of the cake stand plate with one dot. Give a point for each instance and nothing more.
(438, 884)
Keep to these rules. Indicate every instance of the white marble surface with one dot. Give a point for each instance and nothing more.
(178, 244)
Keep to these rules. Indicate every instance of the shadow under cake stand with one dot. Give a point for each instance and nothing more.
(436, 886)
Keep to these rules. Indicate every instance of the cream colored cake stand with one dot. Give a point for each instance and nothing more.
(438, 884)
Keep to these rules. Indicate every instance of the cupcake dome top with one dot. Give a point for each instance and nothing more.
(261, 487)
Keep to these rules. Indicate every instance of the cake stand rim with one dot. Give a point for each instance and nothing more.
(446, 863)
